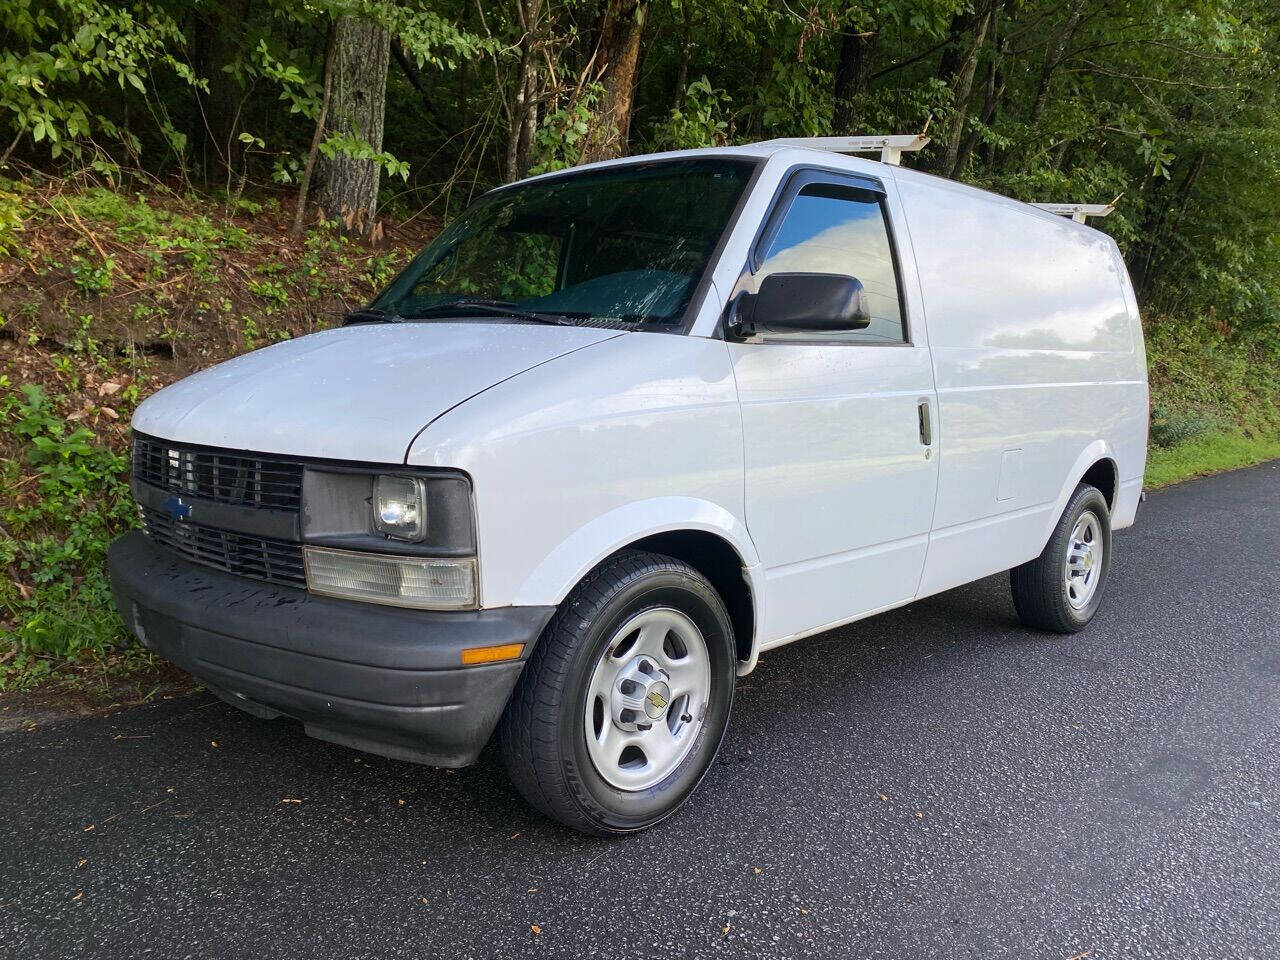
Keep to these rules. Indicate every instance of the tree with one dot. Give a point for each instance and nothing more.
(959, 63)
(356, 114)
(618, 59)
(853, 73)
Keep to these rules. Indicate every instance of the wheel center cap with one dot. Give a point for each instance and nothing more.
(641, 694)
(656, 700)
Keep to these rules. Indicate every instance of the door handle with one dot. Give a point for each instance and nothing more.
(926, 423)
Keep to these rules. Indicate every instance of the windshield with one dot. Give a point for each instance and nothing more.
(627, 244)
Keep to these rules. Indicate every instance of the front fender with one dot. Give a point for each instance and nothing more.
(558, 573)
(566, 565)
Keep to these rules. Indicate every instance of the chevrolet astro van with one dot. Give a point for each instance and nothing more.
(618, 431)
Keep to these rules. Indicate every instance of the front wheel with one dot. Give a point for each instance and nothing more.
(1061, 590)
(623, 704)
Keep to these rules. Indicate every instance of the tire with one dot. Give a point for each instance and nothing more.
(561, 733)
(1048, 597)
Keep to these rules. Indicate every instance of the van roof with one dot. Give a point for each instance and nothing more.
(768, 150)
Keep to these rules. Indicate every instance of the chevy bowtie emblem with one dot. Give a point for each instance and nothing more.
(177, 508)
(657, 699)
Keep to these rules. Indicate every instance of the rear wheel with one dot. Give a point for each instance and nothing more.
(623, 704)
(1061, 590)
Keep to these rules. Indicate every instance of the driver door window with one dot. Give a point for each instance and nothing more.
(833, 228)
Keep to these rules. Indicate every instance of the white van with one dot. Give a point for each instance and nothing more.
(618, 431)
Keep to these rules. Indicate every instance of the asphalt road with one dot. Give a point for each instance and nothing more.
(935, 782)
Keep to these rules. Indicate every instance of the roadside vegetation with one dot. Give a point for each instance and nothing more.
(183, 182)
(109, 295)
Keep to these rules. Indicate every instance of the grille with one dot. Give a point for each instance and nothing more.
(276, 561)
(221, 477)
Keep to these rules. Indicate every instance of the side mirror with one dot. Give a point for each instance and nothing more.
(810, 302)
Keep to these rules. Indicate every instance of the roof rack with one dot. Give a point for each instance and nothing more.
(889, 147)
(1079, 212)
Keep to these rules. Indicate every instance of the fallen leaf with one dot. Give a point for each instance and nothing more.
(535, 928)
(109, 413)
(89, 827)
(725, 931)
(108, 388)
(289, 800)
(1081, 956)
(81, 864)
(400, 802)
(919, 815)
(883, 797)
(77, 896)
(756, 870)
(514, 835)
(213, 743)
(424, 899)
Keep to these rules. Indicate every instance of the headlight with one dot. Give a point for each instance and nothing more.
(405, 538)
(426, 582)
(400, 507)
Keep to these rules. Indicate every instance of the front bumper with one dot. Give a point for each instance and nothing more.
(376, 678)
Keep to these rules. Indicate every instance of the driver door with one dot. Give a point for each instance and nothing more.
(839, 428)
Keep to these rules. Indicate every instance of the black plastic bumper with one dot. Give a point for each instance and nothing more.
(376, 678)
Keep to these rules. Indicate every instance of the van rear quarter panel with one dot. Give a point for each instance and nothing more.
(1038, 360)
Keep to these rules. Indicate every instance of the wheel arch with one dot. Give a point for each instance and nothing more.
(717, 560)
(1103, 474)
(1096, 465)
(702, 534)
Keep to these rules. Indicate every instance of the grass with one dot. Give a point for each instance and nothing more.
(1211, 453)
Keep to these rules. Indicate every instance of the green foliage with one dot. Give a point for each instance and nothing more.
(701, 121)
(93, 277)
(1172, 427)
(75, 501)
(132, 220)
(1205, 375)
(58, 54)
(562, 135)
(13, 210)
(357, 148)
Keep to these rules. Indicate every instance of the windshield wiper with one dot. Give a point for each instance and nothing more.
(370, 315)
(497, 308)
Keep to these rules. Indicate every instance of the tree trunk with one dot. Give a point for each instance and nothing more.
(994, 85)
(853, 73)
(1163, 202)
(682, 70)
(523, 113)
(362, 50)
(994, 89)
(1053, 59)
(619, 48)
(304, 186)
(959, 63)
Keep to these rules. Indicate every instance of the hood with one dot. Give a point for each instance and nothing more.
(355, 393)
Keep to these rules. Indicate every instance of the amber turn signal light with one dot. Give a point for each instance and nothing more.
(502, 651)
